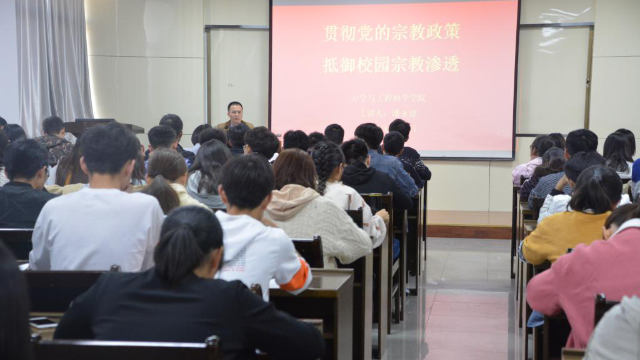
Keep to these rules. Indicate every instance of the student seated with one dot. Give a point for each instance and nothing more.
(409, 156)
(100, 225)
(610, 267)
(295, 139)
(195, 138)
(597, 193)
(616, 154)
(213, 133)
(260, 140)
(166, 169)
(162, 137)
(204, 175)
(255, 253)
(235, 136)
(15, 333)
(301, 212)
(68, 170)
(630, 142)
(367, 180)
(393, 144)
(14, 132)
(558, 140)
(179, 301)
(372, 136)
(552, 162)
(540, 145)
(53, 139)
(329, 161)
(616, 335)
(4, 142)
(334, 133)
(577, 141)
(316, 137)
(173, 121)
(22, 199)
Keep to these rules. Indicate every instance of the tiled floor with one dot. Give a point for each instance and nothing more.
(462, 310)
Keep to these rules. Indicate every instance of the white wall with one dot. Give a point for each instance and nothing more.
(9, 108)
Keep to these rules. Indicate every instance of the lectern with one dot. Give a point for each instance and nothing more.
(78, 127)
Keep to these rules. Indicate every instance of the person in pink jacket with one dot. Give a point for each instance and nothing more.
(571, 284)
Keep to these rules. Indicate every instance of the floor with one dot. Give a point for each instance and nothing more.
(464, 308)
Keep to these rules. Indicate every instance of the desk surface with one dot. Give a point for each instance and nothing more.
(325, 283)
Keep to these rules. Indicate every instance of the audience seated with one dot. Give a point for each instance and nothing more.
(253, 252)
(179, 301)
(616, 335)
(261, 141)
(630, 142)
(14, 132)
(552, 162)
(162, 136)
(540, 145)
(616, 152)
(204, 174)
(610, 267)
(329, 161)
(100, 225)
(316, 137)
(69, 170)
(168, 166)
(597, 193)
(3, 123)
(4, 141)
(295, 139)
(301, 212)
(334, 133)
(393, 144)
(372, 136)
(14, 310)
(367, 180)
(173, 121)
(409, 155)
(195, 138)
(577, 141)
(235, 112)
(235, 135)
(22, 199)
(53, 139)
(558, 140)
(213, 133)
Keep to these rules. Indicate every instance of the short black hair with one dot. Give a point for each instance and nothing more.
(247, 180)
(52, 125)
(581, 140)
(558, 140)
(23, 158)
(580, 161)
(334, 133)
(598, 189)
(355, 151)
(234, 103)
(371, 134)
(196, 133)
(316, 137)
(402, 127)
(173, 121)
(295, 139)
(3, 122)
(262, 141)
(393, 143)
(162, 136)
(541, 144)
(14, 132)
(235, 134)
(107, 148)
(213, 133)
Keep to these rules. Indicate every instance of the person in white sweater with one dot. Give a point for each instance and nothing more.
(301, 212)
(616, 336)
(329, 161)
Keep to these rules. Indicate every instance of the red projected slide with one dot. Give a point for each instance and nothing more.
(447, 67)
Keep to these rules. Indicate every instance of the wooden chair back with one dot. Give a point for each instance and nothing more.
(53, 291)
(537, 204)
(311, 251)
(125, 350)
(602, 306)
(18, 241)
(357, 216)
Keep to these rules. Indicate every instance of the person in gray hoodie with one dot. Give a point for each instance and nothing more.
(617, 336)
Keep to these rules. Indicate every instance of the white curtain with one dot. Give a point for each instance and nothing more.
(52, 62)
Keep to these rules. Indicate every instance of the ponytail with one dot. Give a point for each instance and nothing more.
(598, 188)
(162, 190)
(327, 156)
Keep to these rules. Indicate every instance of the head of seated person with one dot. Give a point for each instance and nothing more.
(295, 139)
(334, 133)
(580, 140)
(329, 162)
(294, 167)
(371, 133)
(552, 162)
(211, 134)
(356, 152)
(14, 132)
(630, 142)
(540, 145)
(14, 327)
(558, 140)
(260, 140)
(598, 190)
(25, 161)
(195, 137)
(246, 185)
(53, 126)
(109, 155)
(235, 135)
(618, 217)
(162, 136)
(402, 127)
(580, 162)
(205, 173)
(173, 121)
(3, 123)
(616, 152)
(315, 137)
(393, 143)
(69, 170)
(165, 166)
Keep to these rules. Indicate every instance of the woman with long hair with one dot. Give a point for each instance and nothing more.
(204, 174)
(616, 152)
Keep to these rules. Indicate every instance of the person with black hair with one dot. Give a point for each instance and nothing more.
(162, 136)
(597, 192)
(365, 179)
(372, 136)
(15, 333)
(14, 132)
(409, 156)
(393, 144)
(180, 301)
(4, 142)
(558, 140)
(204, 174)
(245, 188)
(552, 162)
(261, 140)
(100, 225)
(54, 139)
(68, 170)
(316, 137)
(295, 139)
(235, 111)
(173, 121)
(540, 145)
(616, 152)
(235, 135)
(195, 138)
(22, 199)
(213, 133)
(334, 133)
(3, 123)
(329, 161)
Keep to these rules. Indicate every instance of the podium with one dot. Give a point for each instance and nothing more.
(78, 128)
